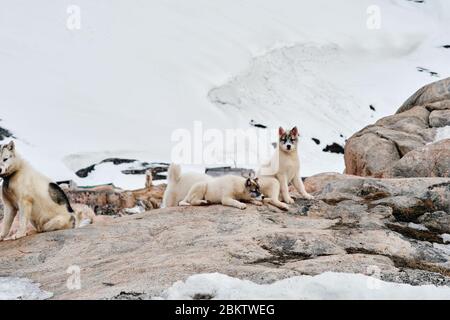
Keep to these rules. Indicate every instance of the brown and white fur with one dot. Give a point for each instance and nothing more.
(285, 168)
(33, 196)
(226, 190)
(178, 185)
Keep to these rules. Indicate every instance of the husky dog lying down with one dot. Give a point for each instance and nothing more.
(33, 196)
(226, 190)
(178, 185)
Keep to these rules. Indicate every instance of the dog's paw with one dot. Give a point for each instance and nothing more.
(242, 206)
(290, 201)
(308, 196)
(184, 203)
(17, 236)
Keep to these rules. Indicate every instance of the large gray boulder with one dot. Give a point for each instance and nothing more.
(432, 93)
(440, 118)
(402, 145)
(432, 160)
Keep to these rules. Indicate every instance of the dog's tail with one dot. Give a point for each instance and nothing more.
(173, 177)
(174, 173)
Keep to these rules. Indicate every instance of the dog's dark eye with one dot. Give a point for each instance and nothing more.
(5, 159)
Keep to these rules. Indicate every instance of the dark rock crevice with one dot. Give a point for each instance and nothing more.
(421, 235)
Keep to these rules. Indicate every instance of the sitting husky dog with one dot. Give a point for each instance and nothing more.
(270, 188)
(178, 185)
(285, 167)
(226, 190)
(35, 197)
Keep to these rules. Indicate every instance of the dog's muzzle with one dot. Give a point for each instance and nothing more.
(256, 195)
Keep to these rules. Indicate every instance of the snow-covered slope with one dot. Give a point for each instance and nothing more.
(137, 71)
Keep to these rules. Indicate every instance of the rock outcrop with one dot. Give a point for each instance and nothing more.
(390, 228)
(111, 201)
(432, 160)
(402, 145)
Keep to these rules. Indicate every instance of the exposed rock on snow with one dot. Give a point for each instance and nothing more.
(334, 148)
(4, 133)
(131, 167)
(399, 145)
(357, 225)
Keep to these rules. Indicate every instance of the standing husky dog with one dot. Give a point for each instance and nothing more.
(33, 196)
(226, 190)
(285, 167)
(178, 185)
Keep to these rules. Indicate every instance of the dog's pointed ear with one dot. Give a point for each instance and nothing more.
(281, 131)
(11, 146)
(294, 132)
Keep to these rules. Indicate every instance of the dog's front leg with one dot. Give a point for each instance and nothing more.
(298, 184)
(285, 189)
(226, 201)
(8, 218)
(277, 203)
(25, 208)
(256, 202)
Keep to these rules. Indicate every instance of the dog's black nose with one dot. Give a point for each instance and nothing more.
(288, 147)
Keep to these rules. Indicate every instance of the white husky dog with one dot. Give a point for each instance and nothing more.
(178, 185)
(33, 196)
(285, 168)
(225, 190)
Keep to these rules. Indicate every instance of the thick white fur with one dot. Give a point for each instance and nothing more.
(178, 185)
(270, 188)
(285, 168)
(28, 195)
(225, 190)
(84, 215)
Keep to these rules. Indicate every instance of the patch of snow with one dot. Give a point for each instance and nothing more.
(326, 286)
(442, 133)
(416, 226)
(134, 210)
(445, 237)
(12, 288)
(443, 247)
(85, 222)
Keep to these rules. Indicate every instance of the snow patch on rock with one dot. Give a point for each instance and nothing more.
(326, 286)
(12, 288)
(442, 133)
